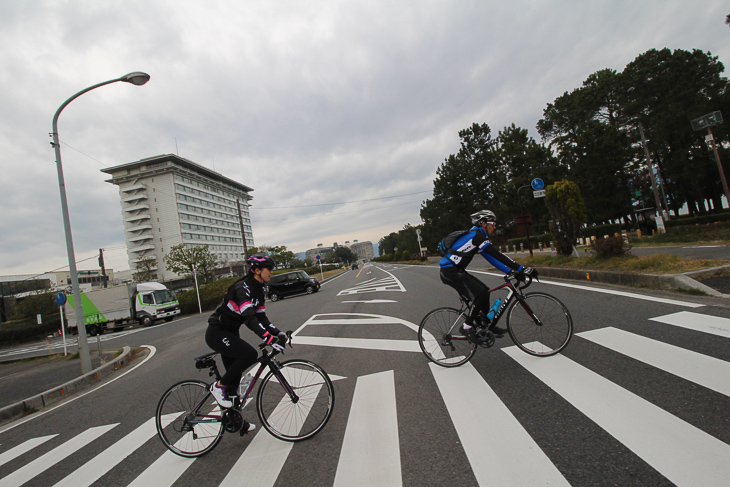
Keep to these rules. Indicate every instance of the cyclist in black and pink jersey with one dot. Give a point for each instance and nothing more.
(453, 270)
(243, 304)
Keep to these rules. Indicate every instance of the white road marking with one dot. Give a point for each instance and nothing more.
(698, 322)
(44, 462)
(499, 450)
(94, 469)
(371, 450)
(695, 367)
(682, 453)
(24, 447)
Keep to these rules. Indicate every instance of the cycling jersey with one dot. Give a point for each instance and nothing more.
(242, 304)
(475, 241)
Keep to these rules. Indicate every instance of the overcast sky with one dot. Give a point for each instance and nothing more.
(337, 113)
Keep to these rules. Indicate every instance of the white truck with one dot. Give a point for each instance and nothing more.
(116, 307)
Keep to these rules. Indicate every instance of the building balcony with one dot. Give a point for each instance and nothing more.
(141, 207)
(139, 238)
(139, 228)
(135, 197)
(134, 187)
(142, 248)
(136, 218)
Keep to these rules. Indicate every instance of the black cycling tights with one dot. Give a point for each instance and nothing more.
(468, 286)
(237, 354)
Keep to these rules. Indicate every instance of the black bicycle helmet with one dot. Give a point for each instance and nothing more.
(260, 261)
(485, 215)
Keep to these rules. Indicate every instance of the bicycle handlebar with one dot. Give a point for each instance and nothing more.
(520, 285)
(262, 346)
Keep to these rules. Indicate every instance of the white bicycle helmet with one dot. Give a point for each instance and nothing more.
(486, 215)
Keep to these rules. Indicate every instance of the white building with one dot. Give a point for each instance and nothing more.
(168, 200)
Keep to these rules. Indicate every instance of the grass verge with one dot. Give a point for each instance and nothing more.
(654, 264)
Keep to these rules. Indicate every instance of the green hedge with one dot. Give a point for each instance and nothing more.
(28, 330)
(679, 221)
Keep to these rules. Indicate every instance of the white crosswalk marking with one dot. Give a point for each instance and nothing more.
(390, 283)
(164, 471)
(265, 449)
(41, 464)
(112, 456)
(676, 449)
(23, 448)
(499, 450)
(371, 451)
(703, 370)
(698, 322)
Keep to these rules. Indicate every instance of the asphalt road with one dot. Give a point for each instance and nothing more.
(639, 397)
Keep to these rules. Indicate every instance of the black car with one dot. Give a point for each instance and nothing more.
(296, 282)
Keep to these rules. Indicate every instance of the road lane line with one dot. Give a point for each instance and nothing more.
(698, 322)
(44, 462)
(682, 453)
(501, 452)
(95, 468)
(24, 447)
(701, 369)
(267, 450)
(362, 343)
(370, 452)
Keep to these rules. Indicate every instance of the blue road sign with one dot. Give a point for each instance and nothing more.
(537, 184)
(60, 299)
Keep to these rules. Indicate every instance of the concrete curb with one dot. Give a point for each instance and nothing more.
(667, 282)
(51, 396)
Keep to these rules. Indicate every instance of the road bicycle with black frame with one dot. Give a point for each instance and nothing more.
(294, 402)
(538, 323)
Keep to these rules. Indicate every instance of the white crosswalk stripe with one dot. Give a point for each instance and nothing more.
(500, 452)
(370, 451)
(676, 449)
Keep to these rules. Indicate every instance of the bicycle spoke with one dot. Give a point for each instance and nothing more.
(440, 339)
(546, 336)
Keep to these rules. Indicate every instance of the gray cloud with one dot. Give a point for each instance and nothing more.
(307, 102)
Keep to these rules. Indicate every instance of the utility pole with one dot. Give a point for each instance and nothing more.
(657, 200)
(101, 264)
(243, 237)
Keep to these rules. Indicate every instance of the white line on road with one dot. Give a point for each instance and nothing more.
(695, 367)
(698, 322)
(44, 462)
(498, 450)
(371, 450)
(95, 468)
(23, 448)
(681, 452)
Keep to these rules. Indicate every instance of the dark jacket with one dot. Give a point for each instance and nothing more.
(243, 304)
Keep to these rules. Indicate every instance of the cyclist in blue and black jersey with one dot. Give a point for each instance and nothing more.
(458, 257)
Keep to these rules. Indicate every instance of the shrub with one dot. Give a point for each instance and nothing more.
(406, 255)
(609, 247)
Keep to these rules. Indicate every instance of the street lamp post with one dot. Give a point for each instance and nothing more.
(138, 79)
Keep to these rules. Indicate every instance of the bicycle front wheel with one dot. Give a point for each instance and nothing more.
(296, 401)
(189, 421)
(440, 339)
(539, 324)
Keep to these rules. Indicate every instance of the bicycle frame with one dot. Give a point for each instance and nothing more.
(513, 292)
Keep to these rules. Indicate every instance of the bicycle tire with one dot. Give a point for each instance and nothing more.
(296, 421)
(188, 419)
(440, 340)
(548, 336)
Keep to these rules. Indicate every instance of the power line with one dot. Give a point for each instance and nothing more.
(340, 203)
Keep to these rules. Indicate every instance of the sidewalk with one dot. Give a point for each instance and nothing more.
(29, 385)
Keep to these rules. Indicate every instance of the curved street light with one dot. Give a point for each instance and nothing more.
(136, 78)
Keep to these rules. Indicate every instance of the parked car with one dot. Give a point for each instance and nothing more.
(289, 283)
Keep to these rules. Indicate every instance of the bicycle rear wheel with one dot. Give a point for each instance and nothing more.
(189, 421)
(440, 339)
(541, 325)
(303, 417)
